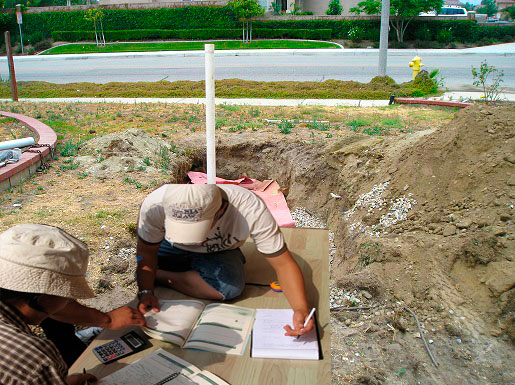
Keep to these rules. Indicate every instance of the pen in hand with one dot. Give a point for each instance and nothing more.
(307, 319)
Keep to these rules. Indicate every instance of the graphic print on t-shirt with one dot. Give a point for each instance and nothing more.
(219, 242)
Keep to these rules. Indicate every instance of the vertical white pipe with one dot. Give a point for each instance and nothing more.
(210, 113)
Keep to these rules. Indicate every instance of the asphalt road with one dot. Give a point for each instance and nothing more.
(358, 65)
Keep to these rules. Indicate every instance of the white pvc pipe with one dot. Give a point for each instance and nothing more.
(210, 113)
(23, 142)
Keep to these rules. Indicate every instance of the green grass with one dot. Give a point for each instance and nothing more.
(187, 46)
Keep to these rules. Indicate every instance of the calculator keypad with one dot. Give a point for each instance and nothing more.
(112, 350)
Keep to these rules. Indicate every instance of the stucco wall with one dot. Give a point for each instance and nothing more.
(318, 7)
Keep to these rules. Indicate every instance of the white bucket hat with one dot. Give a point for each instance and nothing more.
(189, 211)
(43, 259)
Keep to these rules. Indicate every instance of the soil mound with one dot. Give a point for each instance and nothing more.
(129, 151)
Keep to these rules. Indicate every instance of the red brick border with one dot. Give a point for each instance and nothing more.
(45, 135)
(432, 102)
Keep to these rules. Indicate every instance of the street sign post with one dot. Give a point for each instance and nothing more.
(19, 19)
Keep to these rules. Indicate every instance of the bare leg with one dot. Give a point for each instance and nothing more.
(187, 282)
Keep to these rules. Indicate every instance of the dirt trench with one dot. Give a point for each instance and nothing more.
(423, 221)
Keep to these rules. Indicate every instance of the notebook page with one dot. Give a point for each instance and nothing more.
(269, 341)
(152, 369)
(175, 320)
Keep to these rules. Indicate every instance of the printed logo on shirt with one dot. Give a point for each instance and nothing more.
(219, 242)
(185, 214)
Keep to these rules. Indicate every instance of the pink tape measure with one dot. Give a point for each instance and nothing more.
(275, 286)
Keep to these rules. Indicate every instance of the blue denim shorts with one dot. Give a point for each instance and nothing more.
(222, 270)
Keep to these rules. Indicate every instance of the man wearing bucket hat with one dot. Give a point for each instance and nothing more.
(189, 237)
(42, 273)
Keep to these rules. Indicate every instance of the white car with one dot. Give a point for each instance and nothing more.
(447, 10)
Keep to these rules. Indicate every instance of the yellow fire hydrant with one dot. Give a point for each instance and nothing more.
(416, 64)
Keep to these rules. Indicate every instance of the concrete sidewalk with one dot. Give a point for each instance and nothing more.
(507, 49)
(448, 96)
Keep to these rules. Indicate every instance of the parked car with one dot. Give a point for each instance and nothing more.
(447, 10)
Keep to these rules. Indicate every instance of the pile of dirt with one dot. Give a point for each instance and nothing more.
(129, 151)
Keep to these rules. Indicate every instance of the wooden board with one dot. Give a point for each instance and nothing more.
(310, 248)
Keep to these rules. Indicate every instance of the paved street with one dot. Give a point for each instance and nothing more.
(266, 65)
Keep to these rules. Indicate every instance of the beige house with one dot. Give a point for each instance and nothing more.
(318, 7)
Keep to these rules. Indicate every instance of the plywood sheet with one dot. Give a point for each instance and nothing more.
(310, 248)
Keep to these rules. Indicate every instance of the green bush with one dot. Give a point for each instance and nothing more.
(221, 18)
(35, 38)
(191, 34)
(424, 33)
(42, 45)
(445, 36)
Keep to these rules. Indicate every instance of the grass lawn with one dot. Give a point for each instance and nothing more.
(186, 46)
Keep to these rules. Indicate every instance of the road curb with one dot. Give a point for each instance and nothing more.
(432, 102)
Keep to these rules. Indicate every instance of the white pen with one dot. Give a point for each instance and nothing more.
(307, 319)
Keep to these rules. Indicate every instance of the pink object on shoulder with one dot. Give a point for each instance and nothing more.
(268, 190)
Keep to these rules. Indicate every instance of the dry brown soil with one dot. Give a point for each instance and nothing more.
(421, 211)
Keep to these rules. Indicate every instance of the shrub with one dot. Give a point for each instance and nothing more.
(356, 34)
(43, 45)
(424, 33)
(334, 8)
(192, 34)
(35, 38)
(445, 36)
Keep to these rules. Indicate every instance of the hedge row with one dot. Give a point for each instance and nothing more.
(218, 18)
(192, 34)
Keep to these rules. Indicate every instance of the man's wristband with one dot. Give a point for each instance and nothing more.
(142, 292)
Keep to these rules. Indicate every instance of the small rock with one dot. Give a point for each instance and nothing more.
(348, 321)
(406, 187)
(498, 231)
(464, 223)
(505, 217)
(490, 131)
(500, 276)
(17, 205)
(458, 340)
(430, 341)
(511, 181)
(509, 158)
(449, 230)
(366, 294)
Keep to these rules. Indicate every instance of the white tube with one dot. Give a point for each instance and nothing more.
(23, 142)
(210, 113)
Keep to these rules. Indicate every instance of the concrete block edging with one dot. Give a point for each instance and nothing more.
(15, 173)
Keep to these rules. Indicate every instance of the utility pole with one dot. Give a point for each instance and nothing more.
(383, 42)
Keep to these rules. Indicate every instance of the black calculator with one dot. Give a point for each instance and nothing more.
(125, 345)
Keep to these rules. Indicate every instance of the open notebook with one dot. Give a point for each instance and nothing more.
(158, 368)
(190, 324)
(269, 341)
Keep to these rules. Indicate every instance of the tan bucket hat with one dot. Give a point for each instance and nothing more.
(43, 259)
(189, 211)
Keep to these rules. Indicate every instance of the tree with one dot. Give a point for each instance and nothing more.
(96, 15)
(401, 11)
(245, 10)
(334, 8)
(469, 6)
(510, 11)
(488, 7)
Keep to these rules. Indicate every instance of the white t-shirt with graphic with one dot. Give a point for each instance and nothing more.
(246, 215)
